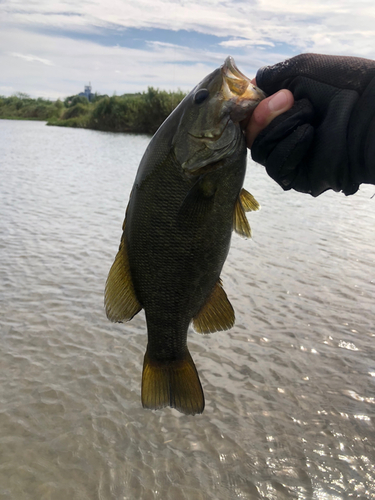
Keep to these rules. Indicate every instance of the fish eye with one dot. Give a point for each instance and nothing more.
(201, 95)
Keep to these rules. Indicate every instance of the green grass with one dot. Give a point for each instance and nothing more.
(21, 118)
(21, 106)
(143, 112)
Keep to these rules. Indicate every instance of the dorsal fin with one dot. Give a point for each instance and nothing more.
(249, 203)
(120, 300)
(216, 314)
(240, 222)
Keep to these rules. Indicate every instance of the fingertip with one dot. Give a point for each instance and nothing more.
(266, 111)
(273, 106)
(281, 101)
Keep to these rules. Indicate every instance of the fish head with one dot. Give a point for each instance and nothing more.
(208, 129)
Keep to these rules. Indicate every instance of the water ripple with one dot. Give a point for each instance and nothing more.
(289, 390)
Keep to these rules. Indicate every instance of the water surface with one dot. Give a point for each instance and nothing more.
(290, 390)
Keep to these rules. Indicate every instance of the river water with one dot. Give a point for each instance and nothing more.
(290, 390)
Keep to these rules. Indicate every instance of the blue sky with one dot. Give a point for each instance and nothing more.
(52, 48)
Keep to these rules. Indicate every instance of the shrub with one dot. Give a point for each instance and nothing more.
(74, 111)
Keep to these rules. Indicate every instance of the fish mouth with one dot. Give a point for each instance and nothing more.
(237, 86)
(237, 97)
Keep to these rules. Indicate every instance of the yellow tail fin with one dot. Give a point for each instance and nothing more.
(174, 383)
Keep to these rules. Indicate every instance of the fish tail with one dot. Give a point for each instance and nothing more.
(173, 383)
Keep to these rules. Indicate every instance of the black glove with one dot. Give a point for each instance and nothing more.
(327, 139)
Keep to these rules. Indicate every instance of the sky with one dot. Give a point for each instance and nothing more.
(52, 48)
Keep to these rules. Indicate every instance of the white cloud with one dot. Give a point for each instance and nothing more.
(6, 90)
(236, 43)
(108, 68)
(265, 21)
(31, 58)
(257, 33)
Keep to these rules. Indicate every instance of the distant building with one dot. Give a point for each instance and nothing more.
(87, 93)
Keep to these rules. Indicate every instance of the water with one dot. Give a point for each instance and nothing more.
(290, 390)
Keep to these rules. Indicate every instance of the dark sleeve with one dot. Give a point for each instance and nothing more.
(327, 139)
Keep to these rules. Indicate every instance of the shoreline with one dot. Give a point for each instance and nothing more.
(23, 118)
(141, 113)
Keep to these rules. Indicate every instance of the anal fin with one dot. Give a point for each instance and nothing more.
(216, 314)
(172, 383)
(120, 300)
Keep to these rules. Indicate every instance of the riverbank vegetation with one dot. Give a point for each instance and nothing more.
(21, 106)
(142, 112)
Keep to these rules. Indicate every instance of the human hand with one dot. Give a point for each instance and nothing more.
(326, 139)
(265, 112)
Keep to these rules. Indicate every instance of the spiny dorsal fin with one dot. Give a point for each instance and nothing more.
(172, 383)
(249, 203)
(216, 314)
(240, 222)
(120, 301)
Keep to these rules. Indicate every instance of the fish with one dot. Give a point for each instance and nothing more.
(186, 200)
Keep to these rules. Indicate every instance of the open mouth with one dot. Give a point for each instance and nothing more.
(236, 84)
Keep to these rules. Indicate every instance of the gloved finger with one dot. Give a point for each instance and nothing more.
(342, 72)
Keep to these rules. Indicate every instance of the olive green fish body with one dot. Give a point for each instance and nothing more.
(176, 250)
(186, 200)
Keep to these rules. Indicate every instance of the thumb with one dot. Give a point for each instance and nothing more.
(266, 111)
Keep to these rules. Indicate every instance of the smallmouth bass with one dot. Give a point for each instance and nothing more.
(186, 200)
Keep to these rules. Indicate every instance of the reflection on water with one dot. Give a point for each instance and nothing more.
(290, 390)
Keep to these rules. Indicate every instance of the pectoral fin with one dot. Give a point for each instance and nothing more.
(216, 314)
(240, 222)
(198, 202)
(174, 383)
(120, 301)
(249, 203)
